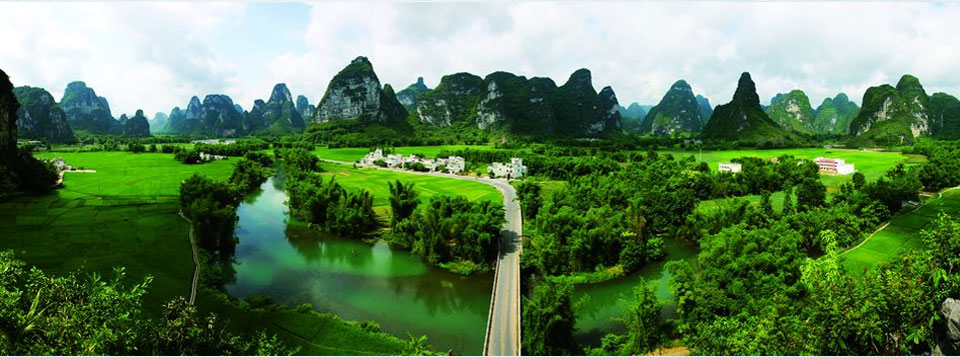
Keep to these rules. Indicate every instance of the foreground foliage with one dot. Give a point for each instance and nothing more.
(70, 315)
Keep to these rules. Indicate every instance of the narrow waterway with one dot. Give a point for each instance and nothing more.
(284, 259)
(597, 317)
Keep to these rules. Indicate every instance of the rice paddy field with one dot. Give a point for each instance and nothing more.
(903, 234)
(124, 214)
(376, 181)
(354, 154)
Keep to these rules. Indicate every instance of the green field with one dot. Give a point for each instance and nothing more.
(125, 174)
(354, 154)
(125, 215)
(872, 164)
(901, 235)
(776, 200)
(375, 181)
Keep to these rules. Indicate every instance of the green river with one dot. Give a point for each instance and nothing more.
(597, 316)
(355, 280)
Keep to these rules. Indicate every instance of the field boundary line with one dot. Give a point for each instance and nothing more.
(196, 260)
(884, 226)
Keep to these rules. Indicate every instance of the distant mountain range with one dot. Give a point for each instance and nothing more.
(502, 104)
(899, 115)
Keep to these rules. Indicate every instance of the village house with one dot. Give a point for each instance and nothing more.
(452, 164)
(214, 141)
(729, 167)
(514, 170)
(208, 157)
(834, 166)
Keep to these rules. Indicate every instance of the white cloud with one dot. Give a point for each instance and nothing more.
(155, 56)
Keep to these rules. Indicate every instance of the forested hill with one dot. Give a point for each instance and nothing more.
(743, 119)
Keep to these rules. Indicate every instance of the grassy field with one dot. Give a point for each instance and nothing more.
(125, 215)
(901, 235)
(776, 200)
(126, 174)
(871, 163)
(375, 181)
(354, 154)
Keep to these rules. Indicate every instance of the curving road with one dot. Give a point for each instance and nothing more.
(503, 325)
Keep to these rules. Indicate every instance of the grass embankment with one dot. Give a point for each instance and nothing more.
(901, 235)
(125, 215)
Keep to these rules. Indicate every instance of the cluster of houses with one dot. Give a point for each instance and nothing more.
(210, 157)
(830, 166)
(452, 164)
(514, 170)
(214, 141)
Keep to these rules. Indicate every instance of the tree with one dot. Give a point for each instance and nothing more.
(548, 321)
(528, 193)
(811, 193)
(187, 156)
(765, 204)
(247, 175)
(403, 201)
(788, 206)
(858, 180)
(212, 209)
(183, 331)
(642, 319)
(898, 186)
(942, 240)
(66, 314)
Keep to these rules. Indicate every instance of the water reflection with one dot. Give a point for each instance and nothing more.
(294, 264)
(598, 315)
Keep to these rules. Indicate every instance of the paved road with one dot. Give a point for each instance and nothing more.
(503, 331)
(503, 324)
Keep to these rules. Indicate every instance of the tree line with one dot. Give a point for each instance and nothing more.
(768, 281)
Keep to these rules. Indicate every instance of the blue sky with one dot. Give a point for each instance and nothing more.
(154, 56)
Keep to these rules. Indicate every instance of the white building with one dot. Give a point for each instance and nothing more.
(372, 157)
(456, 164)
(214, 142)
(208, 157)
(729, 167)
(453, 164)
(834, 166)
(515, 169)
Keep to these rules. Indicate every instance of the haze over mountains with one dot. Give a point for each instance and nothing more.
(502, 103)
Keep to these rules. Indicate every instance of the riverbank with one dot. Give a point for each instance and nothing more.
(285, 259)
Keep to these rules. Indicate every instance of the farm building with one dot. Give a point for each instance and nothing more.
(729, 167)
(515, 169)
(453, 164)
(834, 166)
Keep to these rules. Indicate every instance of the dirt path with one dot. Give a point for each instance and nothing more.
(196, 260)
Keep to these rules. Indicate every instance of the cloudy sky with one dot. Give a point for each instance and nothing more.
(154, 56)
